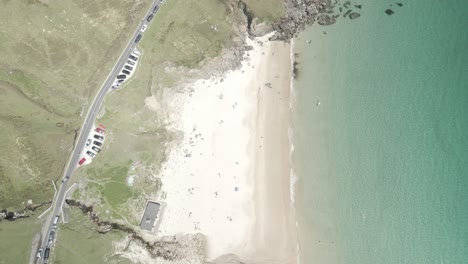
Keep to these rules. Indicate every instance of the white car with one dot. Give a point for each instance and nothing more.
(143, 28)
(136, 53)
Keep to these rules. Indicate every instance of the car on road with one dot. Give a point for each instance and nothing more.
(96, 149)
(51, 238)
(155, 9)
(149, 17)
(133, 58)
(128, 67)
(88, 142)
(126, 72)
(138, 38)
(98, 137)
(39, 253)
(46, 253)
(82, 161)
(100, 131)
(143, 28)
(65, 179)
(91, 154)
(55, 222)
(121, 76)
(131, 62)
(97, 143)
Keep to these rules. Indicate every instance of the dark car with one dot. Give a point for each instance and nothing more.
(97, 143)
(126, 72)
(96, 149)
(133, 57)
(138, 38)
(155, 9)
(120, 81)
(128, 67)
(121, 76)
(51, 237)
(91, 154)
(46, 253)
(150, 17)
(98, 137)
(131, 62)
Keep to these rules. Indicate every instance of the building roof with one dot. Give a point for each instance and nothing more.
(149, 217)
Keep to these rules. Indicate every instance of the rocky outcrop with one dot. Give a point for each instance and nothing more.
(23, 213)
(300, 13)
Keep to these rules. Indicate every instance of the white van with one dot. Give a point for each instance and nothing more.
(56, 219)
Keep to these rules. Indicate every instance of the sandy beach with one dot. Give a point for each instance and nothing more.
(228, 177)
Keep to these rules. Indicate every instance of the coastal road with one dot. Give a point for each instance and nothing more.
(88, 124)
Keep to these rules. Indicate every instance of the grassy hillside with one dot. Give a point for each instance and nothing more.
(54, 55)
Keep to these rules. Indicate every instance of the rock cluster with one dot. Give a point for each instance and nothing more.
(305, 12)
(23, 213)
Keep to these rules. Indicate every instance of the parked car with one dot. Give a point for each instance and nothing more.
(149, 17)
(128, 67)
(126, 72)
(39, 253)
(91, 154)
(46, 253)
(98, 137)
(88, 142)
(136, 53)
(143, 28)
(121, 76)
(120, 81)
(97, 143)
(100, 131)
(51, 237)
(155, 9)
(96, 149)
(138, 38)
(82, 161)
(133, 58)
(131, 62)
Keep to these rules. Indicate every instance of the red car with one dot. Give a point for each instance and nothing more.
(100, 131)
(82, 161)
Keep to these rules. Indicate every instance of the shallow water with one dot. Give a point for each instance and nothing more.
(381, 146)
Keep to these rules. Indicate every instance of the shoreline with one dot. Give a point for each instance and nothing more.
(231, 168)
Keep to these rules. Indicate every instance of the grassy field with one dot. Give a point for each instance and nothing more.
(54, 55)
(16, 239)
(78, 243)
(266, 10)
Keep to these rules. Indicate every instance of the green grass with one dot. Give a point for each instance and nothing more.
(183, 33)
(78, 242)
(266, 10)
(54, 55)
(16, 239)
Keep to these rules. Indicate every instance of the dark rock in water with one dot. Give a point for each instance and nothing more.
(341, 9)
(326, 20)
(354, 15)
(399, 4)
(347, 13)
(389, 12)
(324, 32)
(358, 6)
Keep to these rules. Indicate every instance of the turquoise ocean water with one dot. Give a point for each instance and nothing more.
(381, 136)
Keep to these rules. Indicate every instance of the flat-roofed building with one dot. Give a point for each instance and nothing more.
(149, 217)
